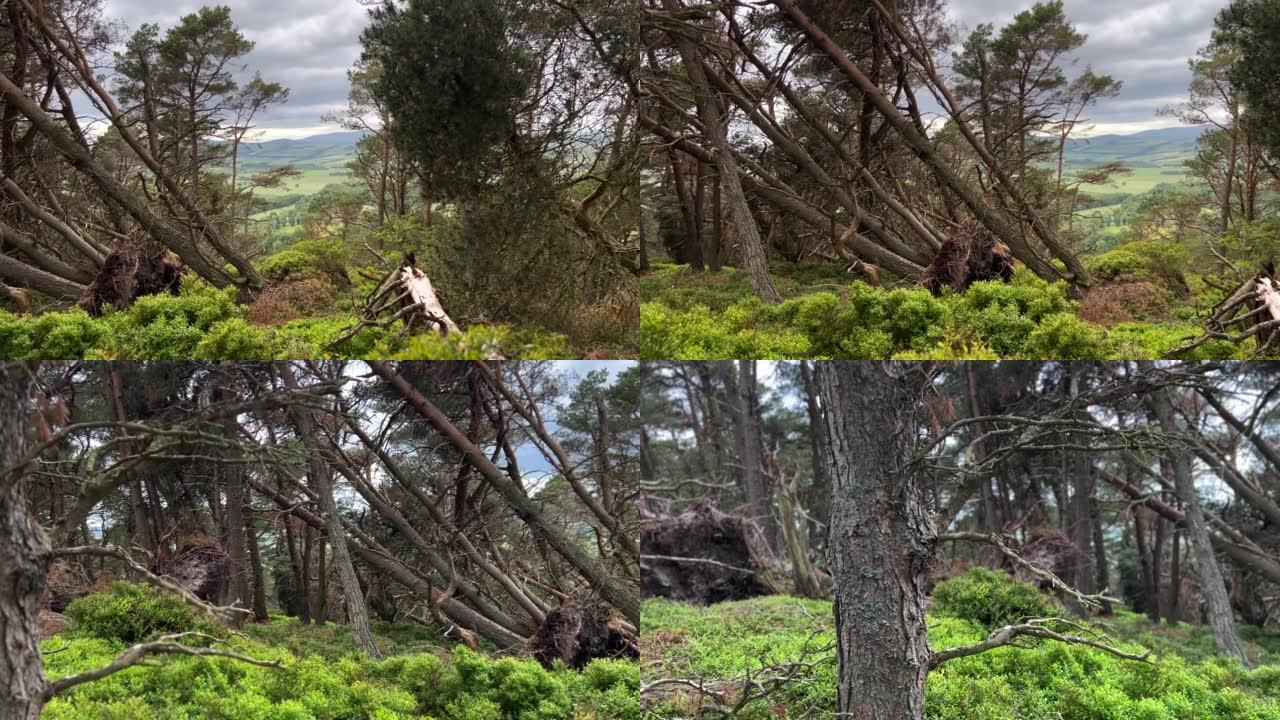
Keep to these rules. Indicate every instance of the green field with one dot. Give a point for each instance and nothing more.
(321, 159)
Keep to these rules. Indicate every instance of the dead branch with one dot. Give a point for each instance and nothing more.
(1034, 627)
(166, 645)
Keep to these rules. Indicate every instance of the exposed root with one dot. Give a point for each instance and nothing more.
(971, 254)
(135, 269)
(576, 633)
(704, 556)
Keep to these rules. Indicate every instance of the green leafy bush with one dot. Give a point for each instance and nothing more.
(1117, 263)
(989, 598)
(483, 342)
(287, 264)
(1066, 337)
(130, 613)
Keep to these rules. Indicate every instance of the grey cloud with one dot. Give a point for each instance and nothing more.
(1143, 43)
(308, 45)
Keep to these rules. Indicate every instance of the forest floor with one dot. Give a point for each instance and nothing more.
(775, 636)
(829, 313)
(321, 677)
(310, 302)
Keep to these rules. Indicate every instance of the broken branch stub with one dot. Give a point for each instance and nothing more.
(406, 294)
(1253, 310)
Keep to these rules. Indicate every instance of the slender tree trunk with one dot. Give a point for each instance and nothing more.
(24, 555)
(322, 582)
(357, 612)
(1212, 586)
(308, 604)
(1172, 609)
(255, 558)
(1144, 560)
(1157, 568)
(817, 431)
(1099, 552)
(881, 540)
(753, 256)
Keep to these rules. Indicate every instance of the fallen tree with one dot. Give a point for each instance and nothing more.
(404, 294)
(1251, 311)
(704, 556)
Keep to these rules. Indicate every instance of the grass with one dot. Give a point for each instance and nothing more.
(718, 645)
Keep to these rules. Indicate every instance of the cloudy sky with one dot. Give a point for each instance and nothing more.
(308, 45)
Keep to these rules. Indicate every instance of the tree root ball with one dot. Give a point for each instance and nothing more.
(703, 556)
(201, 566)
(575, 633)
(132, 271)
(971, 254)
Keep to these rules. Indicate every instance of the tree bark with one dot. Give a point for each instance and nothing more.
(357, 612)
(752, 251)
(611, 589)
(881, 540)
(255, 558)
(24, 555)
(1212, 586)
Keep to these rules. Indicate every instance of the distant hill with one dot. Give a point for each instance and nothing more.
(322, 159)
(1166, 147)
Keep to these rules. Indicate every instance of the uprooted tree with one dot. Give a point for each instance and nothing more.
(843, 159)
(399, 496)
(1143, 484)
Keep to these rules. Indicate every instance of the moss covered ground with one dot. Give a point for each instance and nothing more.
(320, 676)
(829, 314)
(1185, 679)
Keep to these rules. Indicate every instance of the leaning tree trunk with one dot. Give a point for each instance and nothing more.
(24, 556)
(1212, 586)
(357, 612)
(881, 540)
(755, 260)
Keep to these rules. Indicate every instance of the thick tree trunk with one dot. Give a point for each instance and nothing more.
(1212, 586)
(24, 555)
(357, 612)
(881, 540)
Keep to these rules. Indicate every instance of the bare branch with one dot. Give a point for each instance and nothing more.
(1034, 627)
(166, 645)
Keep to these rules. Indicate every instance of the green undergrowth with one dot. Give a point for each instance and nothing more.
(1185, 679)
(206, 323)
(826, 315)
(320, 676)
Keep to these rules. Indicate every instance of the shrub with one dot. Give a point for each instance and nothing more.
(281, 302)
(130, 613)
(1066, 337)
(990, 599)
(1113, 303)
(483, 342)
(1117, 263)
(236, 339)
(52, 336)
(287, 264)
